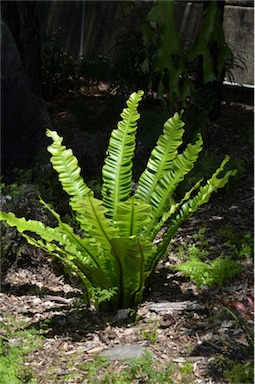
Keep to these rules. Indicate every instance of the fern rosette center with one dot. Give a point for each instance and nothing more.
(117, 254)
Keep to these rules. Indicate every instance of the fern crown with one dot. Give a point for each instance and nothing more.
(117, 253)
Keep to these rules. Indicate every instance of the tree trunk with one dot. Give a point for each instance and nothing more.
(24, 116)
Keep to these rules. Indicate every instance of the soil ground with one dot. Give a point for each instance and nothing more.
(194, 327)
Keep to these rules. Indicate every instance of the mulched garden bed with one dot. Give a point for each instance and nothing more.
(176, 321)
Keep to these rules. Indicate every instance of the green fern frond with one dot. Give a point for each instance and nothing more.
(196, 270)
(66, 164)
(133, 253)
(62, 240)
(117, 170)
(174, 207)
(89, 274)
(100, 230)
(115, 254)
(225, 268)
(98, 247)
(161, 158)
(169, 181)
(204, 193)
(48, 234)
(190, 206)
(217, 272)
(132, 216)
(68, 254)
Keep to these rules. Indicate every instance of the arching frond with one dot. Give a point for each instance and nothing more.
(116, 255)
(174, 207)
(117, 170)
(132, 216)
(161, 158)
(99, 246)
(133, 253)
(180, 167)
(66, 164)
(190, 206)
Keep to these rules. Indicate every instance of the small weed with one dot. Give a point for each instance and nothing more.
(191, 250)
(201, 271)
(141, 370)
(101, 295)
(150, 333)
(247, 249)
(134, 316)
(241, 246)
(15, 346)
(229, 232)
(194, 257)
(5, 331)
(232, 371)
(92, 369)
(186, 368)
(196, 252)
(197, 248)
(240, 373)
(200, 236)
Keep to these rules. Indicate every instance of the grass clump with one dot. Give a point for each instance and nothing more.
(142, 370)
(240, 246)
(240, 373)
(15, 346)
(232, 371)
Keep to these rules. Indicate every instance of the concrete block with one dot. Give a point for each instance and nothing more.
(238, 25)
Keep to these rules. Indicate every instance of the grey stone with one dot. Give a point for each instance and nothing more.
(168, 307)
(124, 352)
(122, 314)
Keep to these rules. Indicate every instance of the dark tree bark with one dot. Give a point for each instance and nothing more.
(23, 22)
(24, 116)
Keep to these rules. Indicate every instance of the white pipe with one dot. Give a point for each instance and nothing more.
(238, 84)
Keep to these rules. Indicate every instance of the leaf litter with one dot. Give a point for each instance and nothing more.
(176, 322)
